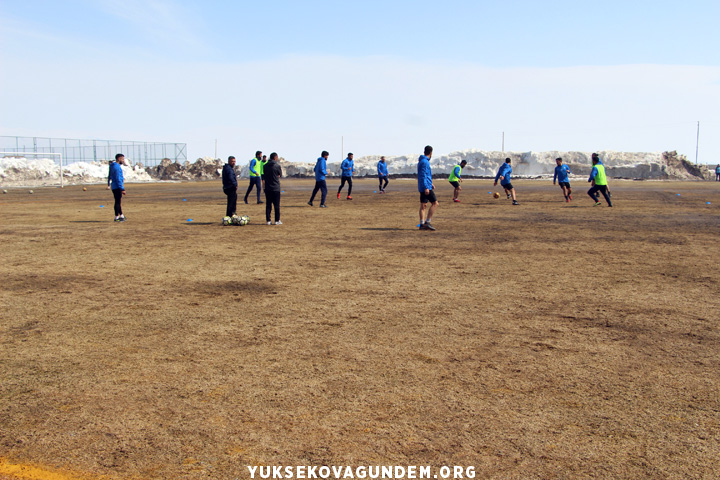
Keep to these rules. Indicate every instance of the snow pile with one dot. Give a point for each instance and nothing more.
(42, 171)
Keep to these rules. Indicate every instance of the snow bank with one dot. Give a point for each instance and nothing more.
(44, 171)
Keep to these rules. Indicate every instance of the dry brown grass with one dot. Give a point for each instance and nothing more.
(540, 341)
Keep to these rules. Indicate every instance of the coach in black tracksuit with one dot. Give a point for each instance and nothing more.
(230, 186)
(271, 184)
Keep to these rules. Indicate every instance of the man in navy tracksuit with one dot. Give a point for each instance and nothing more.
(382, 174)
(426, 189)
(320, 173)
(230, 186)
(348, 168)
(271, 184)
(116, 178)
(504, 175)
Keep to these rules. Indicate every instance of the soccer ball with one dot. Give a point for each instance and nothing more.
(244, 220)
(227, 221)
(496, 195)
(235, 220)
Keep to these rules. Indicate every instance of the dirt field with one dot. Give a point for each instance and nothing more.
(546, 340)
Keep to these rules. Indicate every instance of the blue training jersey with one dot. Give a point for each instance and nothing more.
(504, 171)
(320, 169)
(424, 174)
(561, 173)
(116, 177)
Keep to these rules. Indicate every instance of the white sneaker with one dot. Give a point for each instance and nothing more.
(278, 222)
(269, 223)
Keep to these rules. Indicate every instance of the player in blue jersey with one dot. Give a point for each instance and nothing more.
(561, 176)
(503, 175)
(426, 189)
(117, 179)
(382, 174)
(347, 168)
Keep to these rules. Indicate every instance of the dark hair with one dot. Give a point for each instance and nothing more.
(231, 158)
(428, 150)
(273, 156)
(264, 156)
(118, 156)
(349, 153)
(507, 160)
(258, 153)
(324, 153)
(595, 155)
(464, 161)
(559, 158)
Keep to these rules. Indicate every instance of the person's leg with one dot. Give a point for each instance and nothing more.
(233, 202)
(117, 193)
(268, 206)
(423, 212)
(593, 193)
(564, 190)
(250, 187)
(380, 187)
(323, 191)
(512, 194)
(276, 204)
(342, 184)
(349, 186)
(604, 191)
(315, 190)
(258, 184)
(385, 178)
(431, 212)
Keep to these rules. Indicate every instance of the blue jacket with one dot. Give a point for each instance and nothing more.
(561, 173)
(347, 167)
(320, 169)
(424, 174)
(115, 176)
(228, 177)
(504, 171)
(382, 169)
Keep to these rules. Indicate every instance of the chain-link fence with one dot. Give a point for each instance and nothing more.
(73, 150)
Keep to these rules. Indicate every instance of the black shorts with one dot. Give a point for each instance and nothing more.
(430, 197)
(455, 184)
(564, 184)
(507, 186)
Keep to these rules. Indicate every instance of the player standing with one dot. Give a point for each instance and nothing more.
(348, 168)
(503, 174)
(426, 189)
(255, 172)
(561, 175)
(598, 180)
(271, 184)
(382, 174)
(230, 186)
(717, 173)
(116, 178)
(320, 184)
(455, 180)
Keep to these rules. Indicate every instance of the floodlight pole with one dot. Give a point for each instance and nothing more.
(342, 146)
(503, 142)
(697, 143)
(216, 149)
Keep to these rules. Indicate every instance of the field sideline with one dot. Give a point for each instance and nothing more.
(545, 340)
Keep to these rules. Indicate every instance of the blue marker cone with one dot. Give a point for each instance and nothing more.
(374, 191)
(707, 203)
(678, 194)
(102, 206)
(189, 219)
(184, 199)
(490, 193)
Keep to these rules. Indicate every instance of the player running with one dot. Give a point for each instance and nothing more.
(382, 174)
(348, 168)
(426, 189)
(561, 175)
(455, 180)
(503, 174)
(598, 181)
(255, 173)
(320, 173)
(116, 178)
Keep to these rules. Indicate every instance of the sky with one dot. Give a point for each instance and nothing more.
(371, 77)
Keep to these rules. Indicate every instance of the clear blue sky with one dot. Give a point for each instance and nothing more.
(388, 76)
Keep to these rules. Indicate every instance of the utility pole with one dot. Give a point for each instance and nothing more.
(342, 147)
(503, 143)
(697, 143)
(216, 148)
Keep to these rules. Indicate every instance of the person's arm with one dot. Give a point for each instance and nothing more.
(109, 176)
(555, 176)
(457, 173)
(593, 174)
(499, 174)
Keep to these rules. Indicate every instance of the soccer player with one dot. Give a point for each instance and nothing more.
(255, 174)
(503, 174)
(116, 178)
(717, 173)
(348, 168)
(455, 180)
(598, 181)
(561, 175)
(382, 174)
(230, 186)
(426, 189)
(271, 184)
(320, 185)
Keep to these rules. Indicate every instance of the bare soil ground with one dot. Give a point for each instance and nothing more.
(546, 340)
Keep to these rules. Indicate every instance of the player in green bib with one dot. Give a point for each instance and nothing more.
(455, 180)
(598, 179)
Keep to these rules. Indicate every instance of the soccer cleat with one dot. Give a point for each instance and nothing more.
(246, 201)
(322, 205)
(310, 203)
(567, 200)
(349, 197)
(117, 219)
(269, 223)
(278, 222)
(427, 226)
(121, 219)
(570, 197)
(456, 200)
(515, 202)
(338, 195)
(259, 202)
(598, 204)
(508, 196)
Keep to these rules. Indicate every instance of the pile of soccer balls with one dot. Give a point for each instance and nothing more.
(236, 220)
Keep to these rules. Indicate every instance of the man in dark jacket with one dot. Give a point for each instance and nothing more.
(271, 184)
(230, 186)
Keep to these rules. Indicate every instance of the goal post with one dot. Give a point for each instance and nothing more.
(57, 157)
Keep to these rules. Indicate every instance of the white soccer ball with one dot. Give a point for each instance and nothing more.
(227, 221)
(236, 219)
(244, 220)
